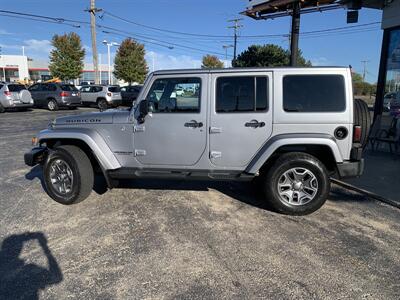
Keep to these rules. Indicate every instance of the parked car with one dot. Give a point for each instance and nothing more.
(14, 95)
(102, 96)
(290, 128)
(129, 94)
(55, 95)
(389, 99)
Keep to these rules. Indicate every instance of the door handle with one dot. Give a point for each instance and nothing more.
(254, 124)
(193, 124)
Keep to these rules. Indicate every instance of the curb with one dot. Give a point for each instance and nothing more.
(366, 193)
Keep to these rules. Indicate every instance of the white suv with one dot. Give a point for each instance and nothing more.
(102, 96)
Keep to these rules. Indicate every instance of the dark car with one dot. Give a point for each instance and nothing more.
(129, 94)
(55, 95)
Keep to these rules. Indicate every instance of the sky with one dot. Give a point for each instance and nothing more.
(202, 18)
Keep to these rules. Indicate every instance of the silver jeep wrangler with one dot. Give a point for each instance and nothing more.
(291, 128)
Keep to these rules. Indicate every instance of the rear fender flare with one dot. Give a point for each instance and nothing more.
(278, 141)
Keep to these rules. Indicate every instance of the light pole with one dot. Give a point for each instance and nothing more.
(109, 45)
(4, 66)
(226, 53)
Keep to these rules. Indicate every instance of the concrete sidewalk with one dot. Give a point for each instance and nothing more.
(381, 175)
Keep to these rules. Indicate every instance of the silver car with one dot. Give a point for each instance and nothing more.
(14, 95)
(101, 96)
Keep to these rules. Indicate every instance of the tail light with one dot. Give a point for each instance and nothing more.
(7, 93)
(64, 94)
(357, 134)
(109, 94)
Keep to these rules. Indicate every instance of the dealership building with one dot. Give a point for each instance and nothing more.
(20, 67)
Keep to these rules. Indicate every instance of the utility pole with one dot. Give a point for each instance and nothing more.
(294, 36)
(93, 10)
(235, 27)
(226, 53)
(365, 68)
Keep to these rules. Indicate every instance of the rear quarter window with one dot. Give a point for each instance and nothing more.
(16, 87)
(314, 93)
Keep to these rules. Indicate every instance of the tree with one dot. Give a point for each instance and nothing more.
(66, 59)
(130, 64)
(361, 87)
(211, 62)
(268, 55)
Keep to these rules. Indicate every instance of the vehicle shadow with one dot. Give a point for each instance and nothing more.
(245, 192)
(22, 280)
(36, 172)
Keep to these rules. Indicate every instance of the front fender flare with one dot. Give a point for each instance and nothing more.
(93, 140)
(292, 139)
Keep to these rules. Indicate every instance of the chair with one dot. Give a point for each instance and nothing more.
(392, 137)
(376, 131)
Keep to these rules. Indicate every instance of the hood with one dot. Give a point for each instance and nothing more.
(107, 117)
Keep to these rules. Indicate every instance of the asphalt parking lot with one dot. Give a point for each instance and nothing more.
(169, 239)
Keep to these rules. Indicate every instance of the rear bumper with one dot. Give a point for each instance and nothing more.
(115, 102)
(35, 156)
(71, 101)
(349, 169)
(19, 105)
(14, 104)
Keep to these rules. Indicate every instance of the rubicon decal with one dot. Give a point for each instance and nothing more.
(83, 121)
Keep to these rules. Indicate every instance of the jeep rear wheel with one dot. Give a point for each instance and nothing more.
(68, 175)
(296, 184)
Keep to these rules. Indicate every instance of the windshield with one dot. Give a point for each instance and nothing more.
(114, 89)
(16, 87)
(68, 88)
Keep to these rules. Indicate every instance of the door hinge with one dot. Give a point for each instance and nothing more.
(215, 154)
(139, 152)
(138, 128)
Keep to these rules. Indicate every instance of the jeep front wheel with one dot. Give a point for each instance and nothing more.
(68, 175)
(296, 184)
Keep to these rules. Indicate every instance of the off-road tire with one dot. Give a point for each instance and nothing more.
(82, 170)
(2, 109)
(102, 104)
(287, 162)
(362, 118)
(52, 105)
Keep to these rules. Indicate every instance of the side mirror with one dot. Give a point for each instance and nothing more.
(143, 110)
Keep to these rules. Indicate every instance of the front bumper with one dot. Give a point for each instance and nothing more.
(35, 156)
(349, 169)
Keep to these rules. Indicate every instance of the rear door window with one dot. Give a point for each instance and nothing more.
(49, 87)
(68, 88)
(242, 94)
(314, 93)
(35, 88)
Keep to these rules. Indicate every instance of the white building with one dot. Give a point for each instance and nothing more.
(19, 67)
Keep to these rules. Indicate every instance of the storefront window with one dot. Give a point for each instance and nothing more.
(391, 100)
